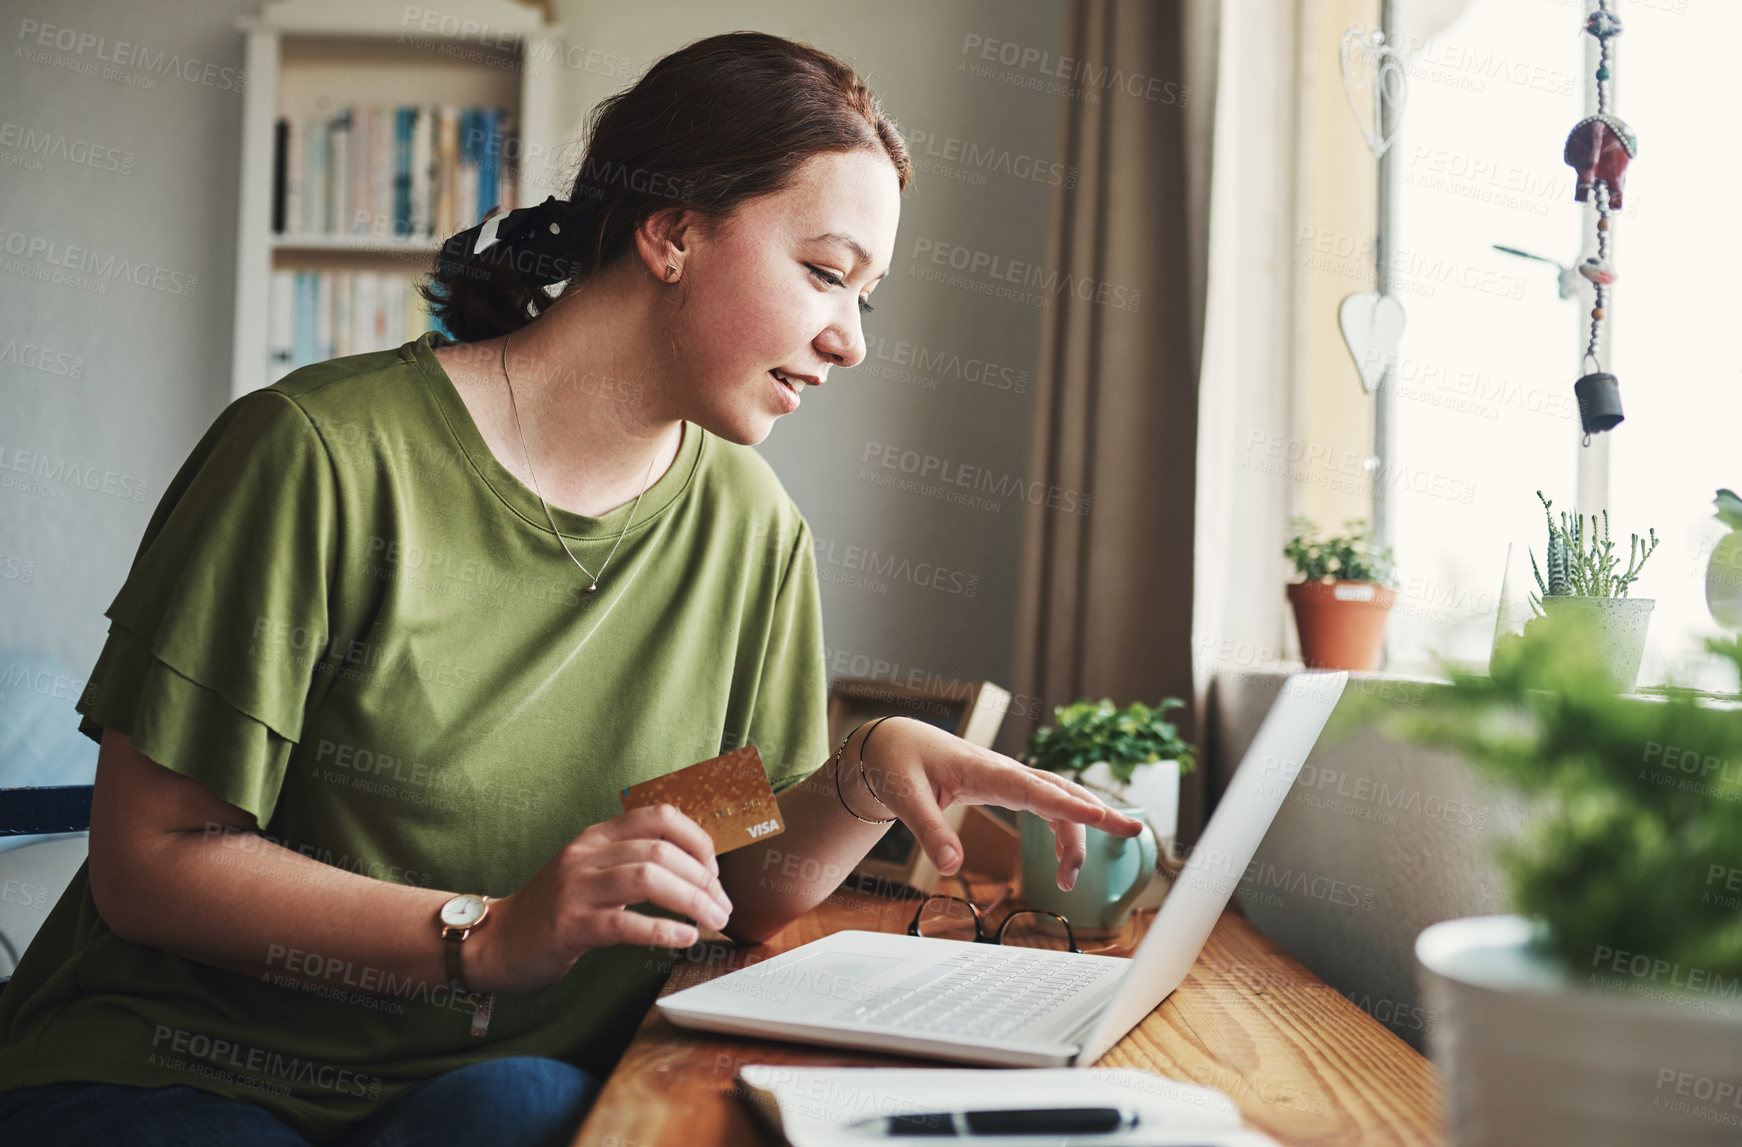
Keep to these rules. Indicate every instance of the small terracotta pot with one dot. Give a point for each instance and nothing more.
(1341, 623)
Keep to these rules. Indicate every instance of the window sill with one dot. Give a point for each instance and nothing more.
(1382, 681)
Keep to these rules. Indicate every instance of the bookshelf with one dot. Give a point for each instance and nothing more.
(396, 76)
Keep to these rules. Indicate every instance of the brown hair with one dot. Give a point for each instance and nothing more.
(722, 121)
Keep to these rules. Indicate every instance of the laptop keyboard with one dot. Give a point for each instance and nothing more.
(986, 992)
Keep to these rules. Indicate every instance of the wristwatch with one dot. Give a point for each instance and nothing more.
(457, 918)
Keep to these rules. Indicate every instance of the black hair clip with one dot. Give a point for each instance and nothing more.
(523, 228)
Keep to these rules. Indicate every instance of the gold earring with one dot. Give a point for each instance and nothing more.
(670, 271)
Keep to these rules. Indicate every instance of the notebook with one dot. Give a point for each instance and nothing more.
(814, 1107)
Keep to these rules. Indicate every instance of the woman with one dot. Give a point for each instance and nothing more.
(406, 623)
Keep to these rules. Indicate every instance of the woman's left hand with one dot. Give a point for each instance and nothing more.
(918, 770)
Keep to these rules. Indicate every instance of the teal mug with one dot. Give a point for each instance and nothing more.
(1116, 872)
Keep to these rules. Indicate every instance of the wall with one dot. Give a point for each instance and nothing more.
(105, 386)
(1376, 841)
(118, 154)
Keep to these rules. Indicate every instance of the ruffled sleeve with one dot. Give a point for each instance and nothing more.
(223, 616)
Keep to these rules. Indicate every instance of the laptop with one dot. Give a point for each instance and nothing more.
(1019, 1007)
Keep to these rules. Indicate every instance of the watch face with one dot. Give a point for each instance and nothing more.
(462, 911)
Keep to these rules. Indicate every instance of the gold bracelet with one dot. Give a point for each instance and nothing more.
(874, 796)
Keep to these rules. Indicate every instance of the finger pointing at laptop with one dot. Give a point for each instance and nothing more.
(918, 770)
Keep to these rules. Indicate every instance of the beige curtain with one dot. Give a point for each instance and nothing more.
(1106, 603)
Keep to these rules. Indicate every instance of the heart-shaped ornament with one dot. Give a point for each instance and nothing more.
(1372, 329)
(1365, 60)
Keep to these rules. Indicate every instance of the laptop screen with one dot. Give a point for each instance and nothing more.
(1219, 859)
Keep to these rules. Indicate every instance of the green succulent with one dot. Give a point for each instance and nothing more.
(1580, 570)
(1089, 731)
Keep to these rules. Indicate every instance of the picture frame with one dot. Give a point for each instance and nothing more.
(972, 710)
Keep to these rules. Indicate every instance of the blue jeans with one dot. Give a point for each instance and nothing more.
(516, 1101)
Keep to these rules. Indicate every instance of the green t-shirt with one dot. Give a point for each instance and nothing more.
(347, 618)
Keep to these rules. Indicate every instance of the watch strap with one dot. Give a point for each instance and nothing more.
(481, 1004)
(451, 953)
(481, 1014)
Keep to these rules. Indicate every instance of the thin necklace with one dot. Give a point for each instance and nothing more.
(527, 454)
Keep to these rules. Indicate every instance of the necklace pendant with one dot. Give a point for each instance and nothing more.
(593, 588)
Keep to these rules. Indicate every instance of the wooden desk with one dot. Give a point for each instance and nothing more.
(1304, 1064)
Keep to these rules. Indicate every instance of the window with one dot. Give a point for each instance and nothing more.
(1680, 372)
(1484, 406)
(1483, 400)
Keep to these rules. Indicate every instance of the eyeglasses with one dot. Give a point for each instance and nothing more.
(952, 918)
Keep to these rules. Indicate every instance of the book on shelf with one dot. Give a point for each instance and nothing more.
(293, 154)
(421, 221)
(380, 171)
(280, 147)
(402, 129)
(281, 325)
(325, 345)
(339, 171)
(410, 172)
(506, 143)
(466, 170)
(314, 184)
(445, 175)
(357, 171)
(487, 157)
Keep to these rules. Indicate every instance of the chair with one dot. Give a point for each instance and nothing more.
(973, 711)
(46, 809)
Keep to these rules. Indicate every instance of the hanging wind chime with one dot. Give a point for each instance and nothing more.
(1598, 150)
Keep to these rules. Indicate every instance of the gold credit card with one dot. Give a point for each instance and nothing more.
(728, 796)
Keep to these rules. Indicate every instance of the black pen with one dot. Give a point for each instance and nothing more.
(1039, 1121)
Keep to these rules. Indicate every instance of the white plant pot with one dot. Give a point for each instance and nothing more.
(1532, 1054)
(1155, 789)
(1620, 622)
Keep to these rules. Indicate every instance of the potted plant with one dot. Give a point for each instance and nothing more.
(1582, 577)
(1609, 1011)
(1724, 569)
(1343, 598)
(1133, 755)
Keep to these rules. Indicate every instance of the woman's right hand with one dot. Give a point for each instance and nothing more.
(579, 900)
